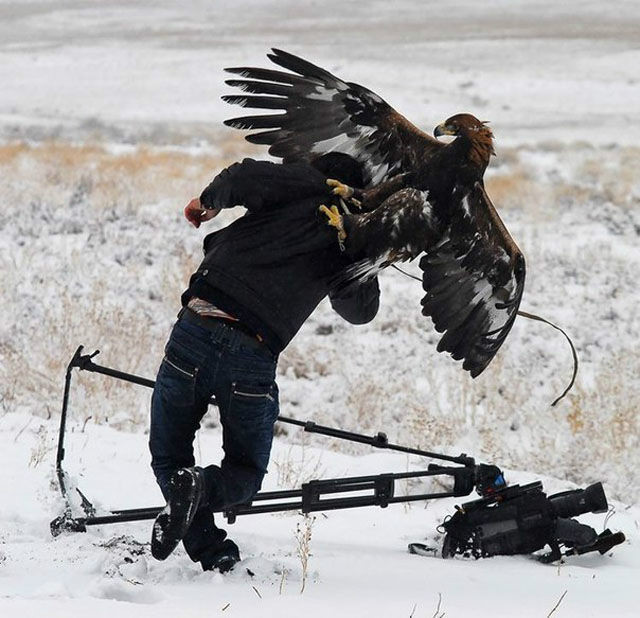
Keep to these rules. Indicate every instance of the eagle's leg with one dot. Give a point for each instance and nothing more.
(344, 191)
(335, 220)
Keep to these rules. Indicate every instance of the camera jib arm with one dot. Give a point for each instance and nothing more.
(315, 495)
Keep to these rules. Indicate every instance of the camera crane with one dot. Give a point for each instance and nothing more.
(505, 520)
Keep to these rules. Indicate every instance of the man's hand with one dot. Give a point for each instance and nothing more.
(195, 213)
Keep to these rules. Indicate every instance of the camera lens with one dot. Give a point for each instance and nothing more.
(578, 501)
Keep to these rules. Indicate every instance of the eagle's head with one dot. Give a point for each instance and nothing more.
(475, 131)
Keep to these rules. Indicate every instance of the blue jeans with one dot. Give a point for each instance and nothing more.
(200, 363)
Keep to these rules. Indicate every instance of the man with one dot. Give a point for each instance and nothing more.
(261, 278)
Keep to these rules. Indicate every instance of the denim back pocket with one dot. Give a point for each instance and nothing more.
(253, 409)
(178, 374)
(254, 402)
(252, 391)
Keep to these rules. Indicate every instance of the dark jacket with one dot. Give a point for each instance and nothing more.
(271, 267)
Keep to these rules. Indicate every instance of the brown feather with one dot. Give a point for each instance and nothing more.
(481, 146)
(432, 201)
(479, 136)
(323, 113)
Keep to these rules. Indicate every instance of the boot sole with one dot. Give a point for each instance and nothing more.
(174, 520)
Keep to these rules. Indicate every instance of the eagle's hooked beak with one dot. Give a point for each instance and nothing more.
(443, 129)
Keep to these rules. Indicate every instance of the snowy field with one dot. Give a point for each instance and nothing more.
(110, 120)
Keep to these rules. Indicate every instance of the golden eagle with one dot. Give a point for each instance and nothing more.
(422, 196)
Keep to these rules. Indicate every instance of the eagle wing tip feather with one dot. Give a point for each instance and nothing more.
(477, 369)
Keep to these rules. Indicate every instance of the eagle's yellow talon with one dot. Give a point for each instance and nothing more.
(344, 191)
(335, 220)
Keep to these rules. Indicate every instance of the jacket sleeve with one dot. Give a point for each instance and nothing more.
(357, 303)
(262, 184)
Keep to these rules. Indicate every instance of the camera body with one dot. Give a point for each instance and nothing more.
(522, 520)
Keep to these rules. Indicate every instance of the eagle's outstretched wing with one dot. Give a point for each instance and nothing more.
(322, 113)
(474, 279)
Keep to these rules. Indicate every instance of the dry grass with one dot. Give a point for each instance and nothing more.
(602, 175)
(512, 187)
(132, 176)
(297, 466)
(68, 189)
(605, 425)
(37, 378)
(303, 534)
(146, 174)
(307, 363)
(63, 184)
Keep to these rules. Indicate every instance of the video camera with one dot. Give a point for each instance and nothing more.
(523, 519)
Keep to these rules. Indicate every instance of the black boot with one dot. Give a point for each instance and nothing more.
(224, 559)
(186, 489)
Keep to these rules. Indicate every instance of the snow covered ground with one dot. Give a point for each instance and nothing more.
(359, 565)
(110, 119)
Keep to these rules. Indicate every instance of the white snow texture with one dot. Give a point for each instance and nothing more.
(111, 120)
